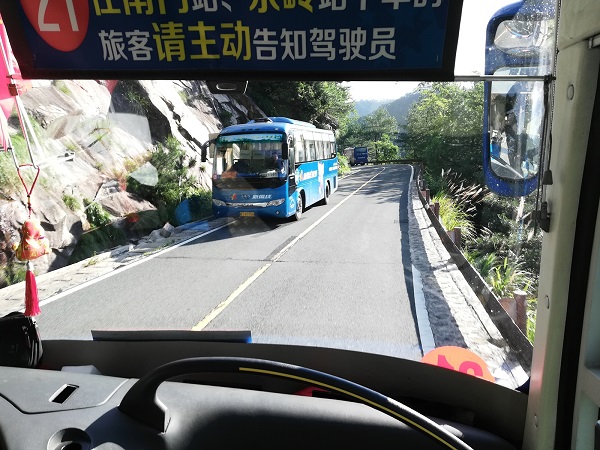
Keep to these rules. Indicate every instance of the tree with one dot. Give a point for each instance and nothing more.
(385, 149)
(325, 104)
(444, 128)
(368, 130)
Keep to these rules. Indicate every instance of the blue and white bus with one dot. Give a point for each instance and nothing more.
(273, 167)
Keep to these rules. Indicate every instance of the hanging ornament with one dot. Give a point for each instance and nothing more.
(33, 244)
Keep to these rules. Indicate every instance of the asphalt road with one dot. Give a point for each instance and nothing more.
(340, 277)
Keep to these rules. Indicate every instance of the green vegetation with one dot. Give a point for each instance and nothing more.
(344, 165)
(323, 103)
(444, 128)
(71, 202)
(374, 131)
(9, 178)
(185, 96)
(132, 164)
(175, 183)
(102, 236)
(137, 98)
(453, 216)
(507, 277)
(12, 273)
(62, 87)
(95, 241)
(95, 213)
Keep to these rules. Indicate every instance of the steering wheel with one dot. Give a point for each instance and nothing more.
(141, 402)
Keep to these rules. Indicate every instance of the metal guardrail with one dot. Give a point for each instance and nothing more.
(508, 329)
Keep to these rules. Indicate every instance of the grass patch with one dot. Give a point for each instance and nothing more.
(71, 202)
(343, 165)
(453, 216)
(96, 214)
(97, 241)
(12, 273)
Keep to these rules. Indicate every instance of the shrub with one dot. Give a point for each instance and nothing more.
(483, 263)
(452, 216)
(95, 213)
(344, 165)
(175, 183)
(12, 273)
(9, 178)
(507, 277)
(71, 202)
(200, 207)
(97, 241)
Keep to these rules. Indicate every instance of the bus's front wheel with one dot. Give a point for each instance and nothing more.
(299, 207)
(325, 199)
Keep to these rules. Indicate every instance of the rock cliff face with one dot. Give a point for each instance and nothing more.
(92, 134)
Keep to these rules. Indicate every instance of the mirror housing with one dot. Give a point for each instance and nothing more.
(514, 124)
(285, 150)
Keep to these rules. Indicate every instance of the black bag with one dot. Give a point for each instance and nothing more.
(20, 343)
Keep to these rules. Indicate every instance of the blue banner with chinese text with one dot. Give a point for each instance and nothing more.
(242, 37)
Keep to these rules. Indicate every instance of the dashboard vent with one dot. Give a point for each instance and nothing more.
(63, 393)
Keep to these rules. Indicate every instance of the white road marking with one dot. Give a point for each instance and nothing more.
(129, 266)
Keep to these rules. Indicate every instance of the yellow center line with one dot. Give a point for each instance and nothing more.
(224, 304)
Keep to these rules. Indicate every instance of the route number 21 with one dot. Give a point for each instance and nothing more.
(62, 24)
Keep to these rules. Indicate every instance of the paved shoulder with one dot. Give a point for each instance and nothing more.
(455, 313)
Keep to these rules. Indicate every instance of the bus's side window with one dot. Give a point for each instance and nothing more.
(321, 146)
(310, 146)
(300, 148)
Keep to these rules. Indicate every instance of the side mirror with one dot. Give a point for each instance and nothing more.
(285, 150)
(206, 147)
(513, 136)
(204, 151)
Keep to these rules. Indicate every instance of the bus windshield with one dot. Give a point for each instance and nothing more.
(302, 217)
(247, 155)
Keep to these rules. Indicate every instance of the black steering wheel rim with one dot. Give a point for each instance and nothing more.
(142, 404)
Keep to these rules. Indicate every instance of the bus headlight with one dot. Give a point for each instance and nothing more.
(218, 202)
(276, 202)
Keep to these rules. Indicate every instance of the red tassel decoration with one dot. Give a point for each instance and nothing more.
(33, 245)
(32, 302)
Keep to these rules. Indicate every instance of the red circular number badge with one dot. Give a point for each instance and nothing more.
(62, 24)
(459, 359)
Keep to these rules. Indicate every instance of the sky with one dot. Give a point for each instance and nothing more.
(469, 58)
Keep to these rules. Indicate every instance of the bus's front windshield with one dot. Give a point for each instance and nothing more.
(362, 268)
(249, 155)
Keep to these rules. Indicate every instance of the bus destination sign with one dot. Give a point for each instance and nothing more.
(369, 39)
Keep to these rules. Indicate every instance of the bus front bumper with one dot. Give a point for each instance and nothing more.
(273, 208)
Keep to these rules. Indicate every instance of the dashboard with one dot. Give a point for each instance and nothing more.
(87, 395)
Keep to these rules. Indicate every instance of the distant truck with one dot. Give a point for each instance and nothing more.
(357, 155)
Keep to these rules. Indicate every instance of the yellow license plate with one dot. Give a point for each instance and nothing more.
(246, 214)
